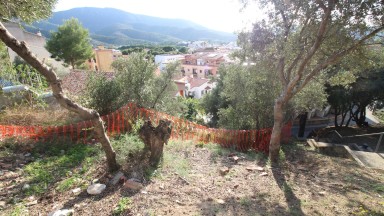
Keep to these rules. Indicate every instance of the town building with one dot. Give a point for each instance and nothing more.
(163, 60)
(103, 59)
(195, 87)
(36, 43)
(202, 64)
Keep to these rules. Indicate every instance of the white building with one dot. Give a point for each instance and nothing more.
(194, 87)
(36, 43)
(163, 60)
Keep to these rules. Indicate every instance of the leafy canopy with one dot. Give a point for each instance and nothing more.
(27, 10)
(70, 43)
(136, 82)
(299, 39)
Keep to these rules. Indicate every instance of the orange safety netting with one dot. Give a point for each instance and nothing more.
(121, 121)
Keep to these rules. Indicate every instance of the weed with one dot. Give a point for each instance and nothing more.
(179, 146)
(245, 201)
(122, 206)
(69, 183)
(153, 172)
(217, 151)
(19, 210)
(176, 163)
(379, 188)
(136, 125)
(127, 145)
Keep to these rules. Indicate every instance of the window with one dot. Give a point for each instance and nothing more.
(201, 71)
(202, 92)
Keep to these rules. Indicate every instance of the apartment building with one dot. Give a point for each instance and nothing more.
(202, 64)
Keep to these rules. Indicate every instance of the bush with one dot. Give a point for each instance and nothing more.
(102, 94)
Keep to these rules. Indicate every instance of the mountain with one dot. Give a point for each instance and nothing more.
(113, 26)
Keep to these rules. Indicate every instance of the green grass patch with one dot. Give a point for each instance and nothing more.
(176, 163)
(217, 151)
(56, 164)
(69, 183)
(122, 206)
(19, 210)
(126, 146)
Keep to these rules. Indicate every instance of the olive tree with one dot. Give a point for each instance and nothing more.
(300, 39)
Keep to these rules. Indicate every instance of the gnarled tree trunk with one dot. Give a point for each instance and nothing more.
(154, 139)
(87, 114)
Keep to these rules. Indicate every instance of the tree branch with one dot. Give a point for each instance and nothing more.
(336, 57)
(313, 49)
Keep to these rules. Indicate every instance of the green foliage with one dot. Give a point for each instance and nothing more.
(245, 95)
(70, 43)
(136, 76)
(312, 96)
(123, 205)
(154, 49)
(301, 39)
(27, 11)
(102, 94)
(355, 97)
(214, 101)
(127, 145)
(192, 107)
(6, 70)
(250, 92)
(27, 75)
(135, 82)
(164, 89)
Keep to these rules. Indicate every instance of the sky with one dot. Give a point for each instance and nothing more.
(222, 15)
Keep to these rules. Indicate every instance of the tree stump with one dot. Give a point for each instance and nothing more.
(154, 139)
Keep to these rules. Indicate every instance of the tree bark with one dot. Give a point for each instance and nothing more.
(87, 114)
(274, 145)
(154, 139)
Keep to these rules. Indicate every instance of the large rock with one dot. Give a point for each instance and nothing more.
(133, 185)
(62, 212)
(116, 178)
(96, 189)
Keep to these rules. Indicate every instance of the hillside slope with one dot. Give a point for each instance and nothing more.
(118, 27)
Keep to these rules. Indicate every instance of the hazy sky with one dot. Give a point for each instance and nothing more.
(223, 15)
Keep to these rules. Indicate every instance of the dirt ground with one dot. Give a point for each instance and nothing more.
(192, 180)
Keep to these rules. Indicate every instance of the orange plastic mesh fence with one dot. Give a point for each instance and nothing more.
(121, 121)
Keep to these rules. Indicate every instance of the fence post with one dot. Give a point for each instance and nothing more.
(379, 142)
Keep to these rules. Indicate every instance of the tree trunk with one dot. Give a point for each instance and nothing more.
(154, 139)
(87, 114)
(302, 122)
(274, 145)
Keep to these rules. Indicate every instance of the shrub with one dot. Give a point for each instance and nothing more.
(102, 94)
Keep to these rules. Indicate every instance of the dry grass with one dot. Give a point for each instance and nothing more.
(26, 116)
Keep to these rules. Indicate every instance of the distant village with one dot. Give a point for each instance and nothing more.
(198, 67)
